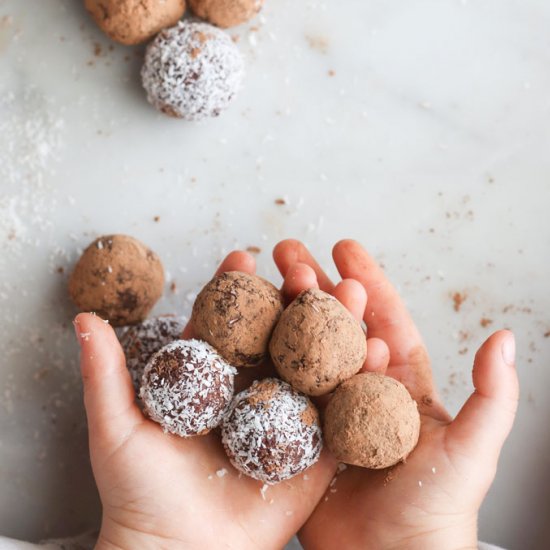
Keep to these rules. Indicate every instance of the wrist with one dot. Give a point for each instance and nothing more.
(116, 536)
(460, 536)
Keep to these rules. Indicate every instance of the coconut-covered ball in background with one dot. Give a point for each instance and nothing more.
(192, 71)
(317, 343)
(226, 13)
(134, 21)
(371, 421)
(272, 432)
(140, 342)
(118, 278)
(187, 388)
(236, 313)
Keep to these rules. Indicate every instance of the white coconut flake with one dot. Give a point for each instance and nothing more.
(169, 390)
(253, 429)
(192, 71)
(30, 139)
(263, 490)
(140, 342)
(222, 472)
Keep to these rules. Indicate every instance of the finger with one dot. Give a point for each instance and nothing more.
(238, 260)
(378, 356)
(386, 316)
(234, 261)
(299, 277)
(352, 296)
(388, 319)
(108, 391)
(290, 252)
(485, 420)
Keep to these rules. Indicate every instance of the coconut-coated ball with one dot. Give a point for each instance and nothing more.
(226, 13)
(236, 313)
(371, 421)
(187, 388)
(134, 21)
(118, 278)
(140, 342)
(192, 71)
(272, 432)
(317, 343)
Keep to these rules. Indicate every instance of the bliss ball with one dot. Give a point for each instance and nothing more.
(226, 13)
(140, 342)
(192, 71)
(317, 343)
(187, 388)
(371, 421)
(272, 432)
(236, 313)
(118, 278)
(134, 21)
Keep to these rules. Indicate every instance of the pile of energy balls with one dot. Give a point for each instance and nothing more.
(271, 431)
(192, 69)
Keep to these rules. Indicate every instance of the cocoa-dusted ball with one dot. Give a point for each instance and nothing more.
(272, 432)
(134, 21)
(192, 71)
(187, 387)
(371, 421)
(226, 13)
(317, 343)
(236, 313)
(140, 342)
(118, 278)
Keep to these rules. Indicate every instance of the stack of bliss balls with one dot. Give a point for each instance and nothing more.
(271, 430)
(192, 69)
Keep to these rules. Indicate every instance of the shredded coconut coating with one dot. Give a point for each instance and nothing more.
(272, 432)
(187, 387)
(192, 71)
(141, 342)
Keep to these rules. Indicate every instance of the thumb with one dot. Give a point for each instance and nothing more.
(484, 422)
(108, 391)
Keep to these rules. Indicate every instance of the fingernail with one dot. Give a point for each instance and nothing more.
(508, 350)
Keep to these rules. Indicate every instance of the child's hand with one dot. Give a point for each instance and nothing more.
(162, 491)
(432, 500)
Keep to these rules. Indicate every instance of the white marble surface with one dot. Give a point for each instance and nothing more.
(429, 144)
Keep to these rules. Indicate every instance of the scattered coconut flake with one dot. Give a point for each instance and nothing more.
(222, 472)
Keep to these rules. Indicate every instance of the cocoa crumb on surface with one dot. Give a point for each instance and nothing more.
(463, 351)
(485, 322)
(253, 249)
(547, 334)
(60, 270)
(331, 72)
(97, 49)
(173, 287)
(156, 219)
(458, 299)
(280, 202)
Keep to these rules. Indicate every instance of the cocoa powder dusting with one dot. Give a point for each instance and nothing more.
(458, 299)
